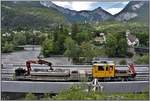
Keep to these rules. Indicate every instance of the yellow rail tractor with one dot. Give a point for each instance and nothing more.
(108, 71)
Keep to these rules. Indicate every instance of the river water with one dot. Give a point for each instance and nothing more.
(20, 57)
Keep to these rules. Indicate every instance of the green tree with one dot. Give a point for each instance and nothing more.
(87, 51)
(42, 37)
(19, 38)
(116, 44)
(74, 30)
(72, 49)
(59, 44)
(83, 36)
(111, 45)
(47, 47)
(29, 37)
(60, 34)
(143, 38)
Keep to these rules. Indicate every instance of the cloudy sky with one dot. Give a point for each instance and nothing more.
(111, 7)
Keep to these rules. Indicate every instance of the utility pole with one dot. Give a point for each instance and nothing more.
(33, 40)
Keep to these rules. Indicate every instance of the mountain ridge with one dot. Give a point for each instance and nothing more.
(129, 12)
(47, 14)
(89, 15)
(138, 10)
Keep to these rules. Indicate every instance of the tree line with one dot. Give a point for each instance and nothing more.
(77, 41)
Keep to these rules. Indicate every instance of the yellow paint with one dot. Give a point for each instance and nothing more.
(103, 70)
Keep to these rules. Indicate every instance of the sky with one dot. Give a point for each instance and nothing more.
(111, 7)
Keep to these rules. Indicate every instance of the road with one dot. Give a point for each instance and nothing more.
(56, 87)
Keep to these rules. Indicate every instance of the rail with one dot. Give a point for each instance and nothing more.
(78, 66)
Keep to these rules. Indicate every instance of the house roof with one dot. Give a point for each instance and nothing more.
(132, 38)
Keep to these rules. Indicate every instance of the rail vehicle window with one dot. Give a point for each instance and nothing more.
(100, 68)
(107, 68)
(111, 67)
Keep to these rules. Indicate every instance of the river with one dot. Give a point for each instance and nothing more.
(20, 57)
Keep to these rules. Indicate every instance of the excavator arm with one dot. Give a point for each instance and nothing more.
(28, 64)
(132, 69)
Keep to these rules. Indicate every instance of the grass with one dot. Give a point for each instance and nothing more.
(78, 93)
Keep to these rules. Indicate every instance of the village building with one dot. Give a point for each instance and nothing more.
(132, 41)
(100, 38)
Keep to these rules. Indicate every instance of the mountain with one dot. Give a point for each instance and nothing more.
(29, 15)
(134, 11)
(96, 15)
(45, 14)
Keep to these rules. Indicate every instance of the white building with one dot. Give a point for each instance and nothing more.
(131, 40)
(101, 38)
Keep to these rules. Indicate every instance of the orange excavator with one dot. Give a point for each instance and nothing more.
(28, 64)
(41, 74)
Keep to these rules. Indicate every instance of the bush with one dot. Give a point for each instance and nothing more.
(143, 60)
(8, 47)
(74, 93)
(123, 62)
(130, 54)
(47, 96)
(30, 96)
(79, 93)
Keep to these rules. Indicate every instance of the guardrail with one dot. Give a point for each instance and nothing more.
(79, 65)
(83, 66)
(8, 71)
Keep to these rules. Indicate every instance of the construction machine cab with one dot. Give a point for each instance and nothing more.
(20, 72)
(103, 70)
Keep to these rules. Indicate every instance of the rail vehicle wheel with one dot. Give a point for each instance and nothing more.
(112, 79)
(122, 79)
(20, 72)
(90, 78)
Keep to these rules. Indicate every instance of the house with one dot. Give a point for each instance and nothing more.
(100, 38)
(132, 41)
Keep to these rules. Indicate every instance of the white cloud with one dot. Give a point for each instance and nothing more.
(114, 10)
(82, 5)
(77, 5)
(63, 4)
(125, 2)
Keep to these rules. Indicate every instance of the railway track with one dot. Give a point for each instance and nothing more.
(9, 75)
(8, 69)
(66, 66)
